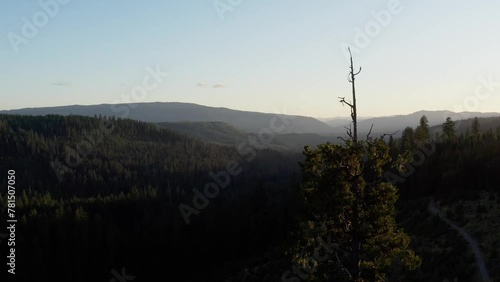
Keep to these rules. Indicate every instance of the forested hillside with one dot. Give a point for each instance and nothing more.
(98, 193)
(457, 163)
(223, 133)
(450, 163)
(95, 194)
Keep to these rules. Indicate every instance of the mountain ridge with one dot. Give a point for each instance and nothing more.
(249, 121)
(252, 121)
(391, 124)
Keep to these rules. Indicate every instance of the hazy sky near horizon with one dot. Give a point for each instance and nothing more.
(253, 54)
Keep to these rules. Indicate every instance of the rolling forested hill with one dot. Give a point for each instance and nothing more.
(463, 126)
(251, 122)
(223, 133)
(95, 194)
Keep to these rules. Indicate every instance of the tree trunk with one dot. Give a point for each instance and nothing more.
(356, 240)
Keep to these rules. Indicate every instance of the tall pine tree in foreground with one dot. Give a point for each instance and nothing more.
(353, 210)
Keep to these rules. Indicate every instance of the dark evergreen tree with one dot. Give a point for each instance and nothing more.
(476, 129)
(349, 201)
(422, 131)
(408, 139)
(449, 130)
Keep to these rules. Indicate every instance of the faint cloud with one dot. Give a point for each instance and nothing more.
(218, 85)
(201, 84)
(64, 83)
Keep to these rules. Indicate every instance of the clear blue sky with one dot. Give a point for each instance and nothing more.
(268, 55)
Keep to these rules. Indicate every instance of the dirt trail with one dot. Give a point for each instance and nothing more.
(473, 244)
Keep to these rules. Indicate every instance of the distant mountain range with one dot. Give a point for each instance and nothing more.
(230, 127)
(391, 124)
(181, 112)
(340, 121)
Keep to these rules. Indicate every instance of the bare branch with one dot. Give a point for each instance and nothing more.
(338, 137)
(349, 133)
(357, 72)
(351, 79)
(343, 101)
(383, 135)
(370, 132)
